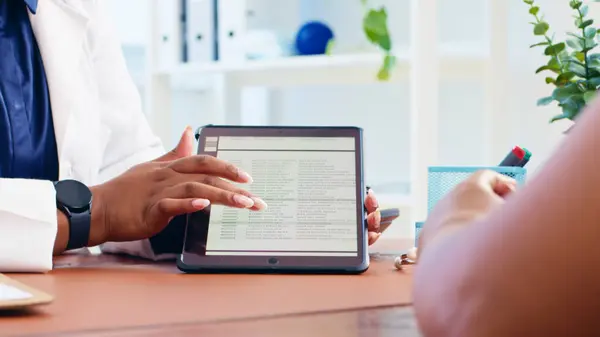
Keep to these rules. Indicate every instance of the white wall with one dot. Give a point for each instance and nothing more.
(383, 110)
(131, 18)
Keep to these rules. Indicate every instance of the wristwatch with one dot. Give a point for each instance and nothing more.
(74, 199)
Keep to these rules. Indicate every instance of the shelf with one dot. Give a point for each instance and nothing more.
(360, 68)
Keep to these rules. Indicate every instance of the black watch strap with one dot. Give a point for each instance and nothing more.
(79, 230)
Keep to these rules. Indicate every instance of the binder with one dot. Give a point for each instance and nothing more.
(169, 25)
(201, 28)
(232, 26)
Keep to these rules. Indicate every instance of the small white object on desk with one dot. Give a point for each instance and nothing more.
(406, 259)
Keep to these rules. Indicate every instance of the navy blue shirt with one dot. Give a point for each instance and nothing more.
(27, 142)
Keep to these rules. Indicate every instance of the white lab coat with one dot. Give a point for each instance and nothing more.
(99, 125)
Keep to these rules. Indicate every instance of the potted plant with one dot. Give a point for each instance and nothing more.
(573, 68)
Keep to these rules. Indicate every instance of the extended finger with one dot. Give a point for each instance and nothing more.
(175, 207)
(373, 237)
(214, 194)
(225, 185)
(374, 221)
(211, 166)
(371, 202)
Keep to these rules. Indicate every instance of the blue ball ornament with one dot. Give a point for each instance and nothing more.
(313, 38)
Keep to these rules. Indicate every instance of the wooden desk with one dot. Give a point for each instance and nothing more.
(117, 296)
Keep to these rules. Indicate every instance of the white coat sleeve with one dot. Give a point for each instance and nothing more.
(28, 225)
(132, 141)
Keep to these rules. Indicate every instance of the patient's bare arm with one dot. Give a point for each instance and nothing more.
(530, 268)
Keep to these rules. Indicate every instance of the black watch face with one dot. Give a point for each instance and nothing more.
(73, 194)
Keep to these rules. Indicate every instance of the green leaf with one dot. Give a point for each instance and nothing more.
(586, 23)
(593, 72)
(564, 56)
(554, 69)
(561, 94)
(389, 62)
(575, 36)
(577, 69)
(594, 82)
(564, 78)
(571, 108)
(579, 58)
(545, 101)
(539, 44)
(554, 49)
(329, 47)
(594, 56)
(575, 44)
(376, 28)
(589, 96)
(584, 10)
(541, 28)
(590, 32)
(534, 10)
(575, 4)
(594, 64)
(550, 80)
(558, 118)
(529, 2)
(589, 45)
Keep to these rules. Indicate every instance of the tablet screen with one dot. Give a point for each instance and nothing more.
(311, 180)
(309, 185)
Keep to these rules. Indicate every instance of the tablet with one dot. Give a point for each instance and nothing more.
(312, 181)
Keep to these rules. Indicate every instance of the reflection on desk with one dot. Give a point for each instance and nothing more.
(383, 322)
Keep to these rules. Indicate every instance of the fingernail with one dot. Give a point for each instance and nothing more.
(200, 203)
(245, 176)
(243, 201)
(371, 191)
(259, 203)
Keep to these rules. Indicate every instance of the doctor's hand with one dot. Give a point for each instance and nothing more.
(140, 203)
(471, 200)
(373, 217)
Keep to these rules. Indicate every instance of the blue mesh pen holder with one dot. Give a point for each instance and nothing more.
(418, 227)
(442, 179)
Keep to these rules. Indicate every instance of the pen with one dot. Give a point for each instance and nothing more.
(526, 158)
(513, 158)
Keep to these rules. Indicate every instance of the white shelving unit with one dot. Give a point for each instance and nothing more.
(424, 64)
(342, 69)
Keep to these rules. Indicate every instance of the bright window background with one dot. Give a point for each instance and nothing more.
(382, 109)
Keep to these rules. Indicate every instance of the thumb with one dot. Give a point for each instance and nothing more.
(496, 182)
(184, 148)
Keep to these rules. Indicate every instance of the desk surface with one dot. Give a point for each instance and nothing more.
(117, 296)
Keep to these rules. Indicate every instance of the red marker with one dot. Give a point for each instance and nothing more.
(514, 157)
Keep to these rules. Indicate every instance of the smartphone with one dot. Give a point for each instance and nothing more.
(387, 217)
